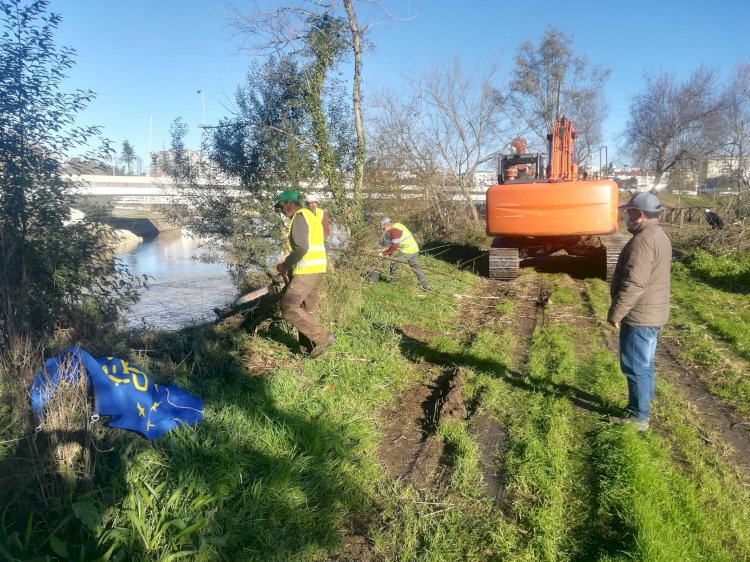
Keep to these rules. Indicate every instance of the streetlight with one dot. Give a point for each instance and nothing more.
(203, 109)
(605, 161)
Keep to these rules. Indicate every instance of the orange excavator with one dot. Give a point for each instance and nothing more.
(536, 210)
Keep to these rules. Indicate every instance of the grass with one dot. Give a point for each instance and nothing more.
(286, 460)
(713, 332)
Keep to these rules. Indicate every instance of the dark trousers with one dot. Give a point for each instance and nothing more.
(298, 307)
(411, 261)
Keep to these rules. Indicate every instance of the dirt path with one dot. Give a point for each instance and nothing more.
(411, 452)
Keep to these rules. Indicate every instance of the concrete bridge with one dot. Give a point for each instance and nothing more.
(147, 191)
(125, 190)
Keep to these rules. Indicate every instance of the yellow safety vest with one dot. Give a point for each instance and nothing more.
(319, 214)
(314, 261)
(406, 244)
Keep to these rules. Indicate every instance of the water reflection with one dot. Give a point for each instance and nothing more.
(183, 290)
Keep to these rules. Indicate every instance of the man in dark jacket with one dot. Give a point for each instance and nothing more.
(640, 302)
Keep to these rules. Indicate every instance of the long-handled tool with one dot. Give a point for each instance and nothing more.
(277, 281)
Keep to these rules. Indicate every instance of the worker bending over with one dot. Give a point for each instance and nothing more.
(306, 264)
(402, 248)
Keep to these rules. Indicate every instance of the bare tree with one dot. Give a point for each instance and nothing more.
(462, 118)
(400, 150)
(737, 102)
(439, 135)
(359, 156)
(551, 81)
(675, 123)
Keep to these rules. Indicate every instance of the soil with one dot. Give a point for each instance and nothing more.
(714, 412)
(411, 452)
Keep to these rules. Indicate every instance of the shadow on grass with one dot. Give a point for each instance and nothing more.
(738, 283)
(55, 484)
(416, 351)
(465, 256)
(476, 260)
(577, 267)
(280, 496)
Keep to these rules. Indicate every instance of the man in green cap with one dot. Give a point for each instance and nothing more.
(305, 264)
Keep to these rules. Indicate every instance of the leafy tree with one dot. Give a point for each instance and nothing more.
(47, 267)
(128, 156)
(675, 123)
(247, 159)
(320, 33)
(326, 42)
(551, 81)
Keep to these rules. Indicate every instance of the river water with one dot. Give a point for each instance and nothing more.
(183, 290)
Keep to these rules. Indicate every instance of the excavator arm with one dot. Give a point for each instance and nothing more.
(562, 165)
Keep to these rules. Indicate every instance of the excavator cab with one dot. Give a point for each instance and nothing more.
(520, 168)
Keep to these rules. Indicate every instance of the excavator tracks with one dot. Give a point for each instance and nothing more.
(503, 263)
(613, 245)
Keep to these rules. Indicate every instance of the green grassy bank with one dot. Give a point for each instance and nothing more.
(285, 465)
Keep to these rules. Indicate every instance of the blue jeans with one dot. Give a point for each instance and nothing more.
(637, 350)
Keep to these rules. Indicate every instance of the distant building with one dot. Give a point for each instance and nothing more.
(164, 160)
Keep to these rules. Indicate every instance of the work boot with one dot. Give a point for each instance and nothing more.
(305, 345)
(319, 349)
(629, 419)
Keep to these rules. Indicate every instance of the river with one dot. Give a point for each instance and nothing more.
(183, 290)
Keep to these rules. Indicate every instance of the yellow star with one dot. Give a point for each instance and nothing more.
(141, 410)
(155, 405)
(118, 381)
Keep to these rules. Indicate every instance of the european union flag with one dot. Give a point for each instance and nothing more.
(121, 390)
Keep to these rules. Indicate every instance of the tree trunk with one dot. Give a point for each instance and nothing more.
(359, 159)
(326, 158)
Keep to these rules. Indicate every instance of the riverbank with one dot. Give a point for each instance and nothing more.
(464, 424)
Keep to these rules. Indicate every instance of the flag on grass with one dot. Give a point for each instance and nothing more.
(121, 390)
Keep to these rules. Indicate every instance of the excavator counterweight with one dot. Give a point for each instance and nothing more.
(532, 213)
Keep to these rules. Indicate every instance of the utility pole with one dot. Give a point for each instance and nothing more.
(203, 109)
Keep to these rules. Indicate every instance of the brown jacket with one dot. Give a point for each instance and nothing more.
(640, 284)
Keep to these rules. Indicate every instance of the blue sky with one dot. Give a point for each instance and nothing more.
(147, 59)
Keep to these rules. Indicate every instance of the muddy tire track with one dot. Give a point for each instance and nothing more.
(410, 450)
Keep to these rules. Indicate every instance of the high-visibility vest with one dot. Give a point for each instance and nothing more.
(314, 261)
(319, 214)
(406, 244)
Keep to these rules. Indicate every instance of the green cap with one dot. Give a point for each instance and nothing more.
(286, 196)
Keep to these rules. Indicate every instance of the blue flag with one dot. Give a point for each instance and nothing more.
(121, 390)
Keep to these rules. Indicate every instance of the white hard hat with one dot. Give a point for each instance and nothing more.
(311, 198)
(384, 221)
